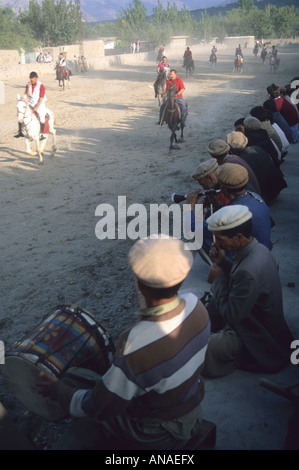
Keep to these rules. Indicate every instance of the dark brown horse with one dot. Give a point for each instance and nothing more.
(63, 75)
(171, 114)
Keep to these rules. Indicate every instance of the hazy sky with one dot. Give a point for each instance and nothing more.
(110, 9)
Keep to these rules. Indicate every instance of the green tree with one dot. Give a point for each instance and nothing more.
(206, 26)
(132, 23)
(33, 19)
(13, 34)
(246, 5)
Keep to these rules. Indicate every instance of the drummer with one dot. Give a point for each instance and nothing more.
(150, 398)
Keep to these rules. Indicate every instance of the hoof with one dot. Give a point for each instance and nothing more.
(33, 154)
(54, 149)
(41, 162)
(174, 147)
(181, 141)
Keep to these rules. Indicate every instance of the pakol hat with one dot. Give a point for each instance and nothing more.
(232, 176)
(228, 217)
(236, 140)
(160, 262)
(252, 123)
(218, 147)
(204, 168)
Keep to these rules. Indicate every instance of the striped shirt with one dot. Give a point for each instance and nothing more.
(156, 369)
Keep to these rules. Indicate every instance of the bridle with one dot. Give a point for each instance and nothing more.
(26, 125)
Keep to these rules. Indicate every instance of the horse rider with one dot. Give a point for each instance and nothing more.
(163, 66)
(274, 51)
(187, 56)
(61, 62)
(162, 69)
(239, 51)
(180, 88)
(214, 53)
(161, 53)
(36, 95)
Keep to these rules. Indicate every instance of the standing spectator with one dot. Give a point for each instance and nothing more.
(80, 64)
(84, 61)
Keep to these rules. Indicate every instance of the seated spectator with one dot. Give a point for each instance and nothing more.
(262, 115)
(286, 109)
(270, 178)
(258, 136)
(248, 327)
(233, 180)
(221, 151)
(279, 119)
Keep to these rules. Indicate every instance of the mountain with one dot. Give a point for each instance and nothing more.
(107, 10)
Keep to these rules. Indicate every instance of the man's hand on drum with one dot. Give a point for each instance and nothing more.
(46, 386)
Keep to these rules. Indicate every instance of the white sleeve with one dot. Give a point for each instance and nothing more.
(75, 406)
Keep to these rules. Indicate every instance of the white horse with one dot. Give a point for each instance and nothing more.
(31, 128)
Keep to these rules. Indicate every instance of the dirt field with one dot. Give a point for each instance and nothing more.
(108, 146)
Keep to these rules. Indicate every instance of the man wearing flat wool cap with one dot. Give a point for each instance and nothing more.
(233, 179)
(246, 311)
(150, 398)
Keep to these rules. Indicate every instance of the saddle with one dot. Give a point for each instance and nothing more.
(46, 128)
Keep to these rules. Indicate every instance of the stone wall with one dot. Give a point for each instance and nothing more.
(23, 70)
(234, 41)
(9, 57)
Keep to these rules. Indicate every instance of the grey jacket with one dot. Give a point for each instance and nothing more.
(249, 298)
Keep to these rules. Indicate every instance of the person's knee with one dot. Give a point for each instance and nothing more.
(222, 354)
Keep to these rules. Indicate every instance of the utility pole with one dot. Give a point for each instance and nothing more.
(80, 32)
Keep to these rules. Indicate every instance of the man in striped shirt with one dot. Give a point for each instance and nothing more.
(150, 397)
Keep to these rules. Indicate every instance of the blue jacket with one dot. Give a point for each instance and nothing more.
(261, 221)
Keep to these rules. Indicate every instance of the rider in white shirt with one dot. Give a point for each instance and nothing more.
(36, 95)
(61, 60)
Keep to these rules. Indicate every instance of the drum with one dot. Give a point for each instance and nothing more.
(67, 337)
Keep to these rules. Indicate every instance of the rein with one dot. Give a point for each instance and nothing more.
(27, 125)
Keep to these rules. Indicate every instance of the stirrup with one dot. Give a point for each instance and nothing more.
(42, 137)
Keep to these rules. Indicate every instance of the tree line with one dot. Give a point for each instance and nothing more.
(57, 22)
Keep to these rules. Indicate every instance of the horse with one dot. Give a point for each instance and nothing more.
(62, 75)
(189, 66)
(213, 59)
(30, 125)
(160, 88)
(273, 62)
(172, 116)
(238, 64)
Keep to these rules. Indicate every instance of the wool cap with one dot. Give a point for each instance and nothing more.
(160, 261)
(252, 123)
(218, 147)
(204, 168)
(232, 176)
(236, 140)
(228, 217)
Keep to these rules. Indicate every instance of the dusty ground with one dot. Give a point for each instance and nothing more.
(108, 146)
